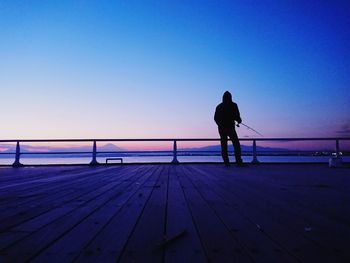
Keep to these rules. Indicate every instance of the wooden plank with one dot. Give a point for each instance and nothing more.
(35, 222)
(108, 244)
(10, 175)
(35, 194)
(143, 245)
(330, 236)
(267, 214)
(32, 187)
(40, 239)
(66, 194)
(69, 246)
(78, 191)
(260, 247)
(220, 246)
(187, 247)
(46, 175)
(17, 197)
(308, 188)
(65, 207)
(10, 237)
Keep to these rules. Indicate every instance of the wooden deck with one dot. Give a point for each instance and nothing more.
(175, 213)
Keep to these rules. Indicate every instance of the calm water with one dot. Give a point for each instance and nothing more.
(167, 159)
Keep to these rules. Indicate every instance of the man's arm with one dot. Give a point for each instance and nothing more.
(237, 114)
(216, 116)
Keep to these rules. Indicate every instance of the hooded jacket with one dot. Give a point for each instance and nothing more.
(227, 112)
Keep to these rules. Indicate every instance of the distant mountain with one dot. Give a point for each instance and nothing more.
(110, 147)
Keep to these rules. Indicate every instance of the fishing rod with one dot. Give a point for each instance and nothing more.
(250, 128)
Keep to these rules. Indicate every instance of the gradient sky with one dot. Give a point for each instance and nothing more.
(147, 69)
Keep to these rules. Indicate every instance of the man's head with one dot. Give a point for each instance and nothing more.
(227, 97)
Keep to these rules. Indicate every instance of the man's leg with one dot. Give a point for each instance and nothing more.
(236, 145)
(223, 140)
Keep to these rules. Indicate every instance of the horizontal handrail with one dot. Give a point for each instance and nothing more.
(151, 152)
(177, 139)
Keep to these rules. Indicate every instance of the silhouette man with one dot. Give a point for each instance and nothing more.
(226, 114)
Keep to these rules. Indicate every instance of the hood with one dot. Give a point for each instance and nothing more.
(227, 97)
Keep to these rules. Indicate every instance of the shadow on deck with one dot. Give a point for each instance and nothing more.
(175, 213)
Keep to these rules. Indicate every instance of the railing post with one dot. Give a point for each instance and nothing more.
(94, 153)
(175, 161)
(255, 158)
(17, 163)
(337, 150)
(336, 161)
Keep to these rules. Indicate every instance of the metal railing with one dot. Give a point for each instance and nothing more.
(174, 153)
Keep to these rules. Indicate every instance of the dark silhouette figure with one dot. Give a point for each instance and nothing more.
(226, 114)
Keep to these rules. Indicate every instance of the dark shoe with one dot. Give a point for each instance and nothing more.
(241, 164)
(227, 164)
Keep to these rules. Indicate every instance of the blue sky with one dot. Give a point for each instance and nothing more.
(146, 69)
